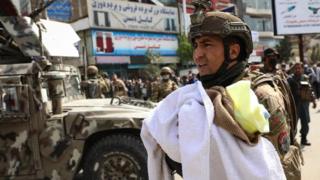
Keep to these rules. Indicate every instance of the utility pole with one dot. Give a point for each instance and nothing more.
(184, 7)
(301, 54)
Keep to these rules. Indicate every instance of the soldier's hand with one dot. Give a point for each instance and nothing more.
(314, 105)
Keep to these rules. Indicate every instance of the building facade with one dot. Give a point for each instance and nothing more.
(258, 15)
(121, 36)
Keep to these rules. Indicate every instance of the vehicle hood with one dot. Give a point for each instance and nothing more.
(103, 108)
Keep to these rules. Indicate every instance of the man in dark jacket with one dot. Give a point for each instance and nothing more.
(303, 95)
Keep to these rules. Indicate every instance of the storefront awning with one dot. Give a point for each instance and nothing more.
(113, 59)
(167, 60)
(136, 66)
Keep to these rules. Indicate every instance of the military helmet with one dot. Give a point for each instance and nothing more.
(271, 52)
(221, 24)
(92, 70)
(165, 70)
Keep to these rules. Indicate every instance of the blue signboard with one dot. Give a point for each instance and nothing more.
(60, 10)
(133, 43)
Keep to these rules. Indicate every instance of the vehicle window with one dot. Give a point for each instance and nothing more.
(14, 99)
(10, 100)
(72, 85)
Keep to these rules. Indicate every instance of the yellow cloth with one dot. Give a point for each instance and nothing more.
(249, 113)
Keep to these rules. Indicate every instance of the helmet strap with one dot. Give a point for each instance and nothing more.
(226, 61)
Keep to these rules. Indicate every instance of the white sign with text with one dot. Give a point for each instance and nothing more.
(296, 16)
(132, 16)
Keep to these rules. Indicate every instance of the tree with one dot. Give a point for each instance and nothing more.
(151, 71)
(284, 49)
(153, 68)
(152, 57)
(184, 50)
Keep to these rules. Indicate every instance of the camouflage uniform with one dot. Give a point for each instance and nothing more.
(164, 87)
(119, 88)
(232, 29)
(154, 90)
(107, 82)
(94, 87)
(280, 116)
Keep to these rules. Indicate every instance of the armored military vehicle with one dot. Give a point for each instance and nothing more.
(47, 129)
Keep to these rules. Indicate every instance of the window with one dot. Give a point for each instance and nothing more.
(259, 24)
(263, 4)
(14, 99)
(258, 4)
(72, 84)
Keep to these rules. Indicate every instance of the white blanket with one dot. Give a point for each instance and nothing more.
(182, 127)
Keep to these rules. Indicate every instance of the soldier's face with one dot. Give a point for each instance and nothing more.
(272, 60)
(165, 76)
(208, 54)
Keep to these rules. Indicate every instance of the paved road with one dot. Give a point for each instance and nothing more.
(311, 154)
(311, 169)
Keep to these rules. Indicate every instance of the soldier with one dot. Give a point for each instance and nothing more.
(94, 87)
(222, 44)
(303, 95)
(270, 60)
(118, 86)
(107, 81)
(154, 89)
(166, 85)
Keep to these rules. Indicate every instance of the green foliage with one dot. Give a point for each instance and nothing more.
(284, 49)
(151, 71)
(184, 50)
(152, 57)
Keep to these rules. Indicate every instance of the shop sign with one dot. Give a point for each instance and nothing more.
(133, 43)
(132, 16)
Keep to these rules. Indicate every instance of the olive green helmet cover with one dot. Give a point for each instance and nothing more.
(221, 24)
(165, 70)
(92, 70)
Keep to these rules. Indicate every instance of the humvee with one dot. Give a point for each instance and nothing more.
(48, 130)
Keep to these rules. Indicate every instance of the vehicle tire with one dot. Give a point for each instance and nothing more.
(116, 157)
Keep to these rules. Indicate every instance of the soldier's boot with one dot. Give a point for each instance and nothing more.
(304, 141)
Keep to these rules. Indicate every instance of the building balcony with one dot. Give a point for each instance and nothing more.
(266, 34)
(258, 12)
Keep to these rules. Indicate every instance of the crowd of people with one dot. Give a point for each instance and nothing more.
(100, 85)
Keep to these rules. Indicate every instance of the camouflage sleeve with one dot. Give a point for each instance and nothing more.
(154, 92)
(174, 86)
(108, 85)
(103, 86)
(279, 131)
